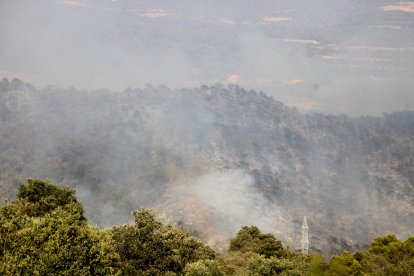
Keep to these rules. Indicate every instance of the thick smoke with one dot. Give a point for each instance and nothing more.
(222, 202)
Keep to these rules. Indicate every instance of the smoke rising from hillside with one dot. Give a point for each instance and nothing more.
(226, 200)
(216, 156)
(213, 159)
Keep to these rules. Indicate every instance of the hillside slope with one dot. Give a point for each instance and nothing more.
(213, 159)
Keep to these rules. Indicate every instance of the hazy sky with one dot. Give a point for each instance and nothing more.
(339, 56)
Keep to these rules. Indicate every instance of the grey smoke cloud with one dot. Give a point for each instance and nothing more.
(232, 195)
(116, 44)
(219, 202)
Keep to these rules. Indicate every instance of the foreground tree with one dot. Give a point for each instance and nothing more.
(345, 264)
(387, 255)
(207, 268)
(317, 265)
(250, 239)
(44, 232)
(37, 197)
(150, 247)
(254, 253)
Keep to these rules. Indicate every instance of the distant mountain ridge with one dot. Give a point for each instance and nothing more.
(212, 159)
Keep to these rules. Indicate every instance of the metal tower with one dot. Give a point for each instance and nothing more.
(305, 236)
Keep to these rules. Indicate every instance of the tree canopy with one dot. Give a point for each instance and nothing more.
(249, 238)
(44, 232)
(153, 247)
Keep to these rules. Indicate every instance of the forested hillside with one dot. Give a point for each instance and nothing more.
(213, 159)
(44, 232)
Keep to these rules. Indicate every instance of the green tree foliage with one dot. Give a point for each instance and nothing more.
(249, 238)
(238, 262)
(344, 264)
(317, 265)
(43, 233)
(254, 253)
(34, 190)
(149, 246)
(205, 268)
(262, 266)
(389, 256)
(386, 255)
(43, 196)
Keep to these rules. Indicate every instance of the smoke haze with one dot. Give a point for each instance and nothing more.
(332, 56)
(209, 156)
